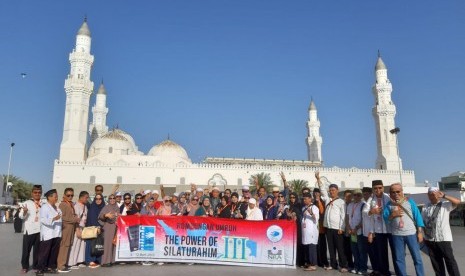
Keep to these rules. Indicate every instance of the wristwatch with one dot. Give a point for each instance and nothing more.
(444, 196)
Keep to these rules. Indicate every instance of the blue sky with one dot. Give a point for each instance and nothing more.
(235, 78)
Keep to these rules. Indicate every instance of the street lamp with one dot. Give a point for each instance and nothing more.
(9, 162)
(396, 131)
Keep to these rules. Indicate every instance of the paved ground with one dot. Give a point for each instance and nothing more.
(10, 254)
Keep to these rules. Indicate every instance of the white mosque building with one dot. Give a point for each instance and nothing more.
(93, 154)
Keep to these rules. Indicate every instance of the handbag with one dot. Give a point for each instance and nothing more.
(90, 232)
(97, 246)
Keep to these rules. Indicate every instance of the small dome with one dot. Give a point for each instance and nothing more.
(312, 106)
(115, 142)
(102, 90)
(170, 153)
(380, 65)
(84, 30)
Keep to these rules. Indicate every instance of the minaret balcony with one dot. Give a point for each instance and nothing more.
(81, 57)
(73, 84)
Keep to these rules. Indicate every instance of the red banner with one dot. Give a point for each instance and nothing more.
(189, 239)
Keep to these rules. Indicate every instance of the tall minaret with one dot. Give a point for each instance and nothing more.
(384, 112)
(78, 87)
(99, 127)
(314, 139)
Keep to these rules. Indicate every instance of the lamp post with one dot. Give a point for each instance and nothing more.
(9, 162)
(396, 131)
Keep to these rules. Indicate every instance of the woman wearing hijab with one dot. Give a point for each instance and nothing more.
(107, 218)
(281, 207)
(294, 212)
(165, 209)
(205, 210)
(192, 206)
(92, 220)
(269, 209)
(149, 208)
(223, 210)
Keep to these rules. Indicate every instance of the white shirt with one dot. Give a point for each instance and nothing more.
(443, 231)
(367, 223)
(49, 228)
(335, 211)
(378, 223)
(354, 213)
(310, 225)
(254, 214)
(31, 218)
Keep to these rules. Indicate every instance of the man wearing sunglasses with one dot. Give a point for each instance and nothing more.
(70, 220)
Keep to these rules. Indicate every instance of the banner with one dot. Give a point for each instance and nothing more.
(186, 239)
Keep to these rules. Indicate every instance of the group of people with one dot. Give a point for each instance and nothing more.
(357, 226)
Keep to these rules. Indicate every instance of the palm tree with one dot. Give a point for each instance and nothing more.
(21, 189)
(263, 180)
(296, 185)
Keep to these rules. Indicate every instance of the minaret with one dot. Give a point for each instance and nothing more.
(384, 112)
(99, 127)
(314, 139)
(78, 87)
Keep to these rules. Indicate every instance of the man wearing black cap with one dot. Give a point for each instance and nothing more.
(381, 232)
(30, 213)
(334, 221)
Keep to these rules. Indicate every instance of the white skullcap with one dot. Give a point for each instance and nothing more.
(245, 187)
(155, 192)
(199, 190)
(253, 201)
(176, 194)
(118, 194)
(432, 189)
(147, 192)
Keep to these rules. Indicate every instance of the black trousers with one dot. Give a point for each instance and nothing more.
(381, 257)
(348, 252)
(336, 243)
(48, 254)
(30, 242)
(440, 253)
(322, 250)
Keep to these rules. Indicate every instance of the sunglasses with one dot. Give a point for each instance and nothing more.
(280, 196)
(99, 198)
(99, 190)
(69, 195)
(126, 198)
(138, 197)
(292, 197)
(246, 197)
(195, 199)
(111, 198)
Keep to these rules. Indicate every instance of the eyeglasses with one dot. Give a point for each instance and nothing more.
(69, 195)
(195, 199)
(110, 198)
(275, 192)
(246, 197)
(138, 197)
(127, 198)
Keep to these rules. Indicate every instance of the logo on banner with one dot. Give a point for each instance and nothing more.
(275, 255)
(274, 233)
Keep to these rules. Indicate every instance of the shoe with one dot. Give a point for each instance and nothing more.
(310, 268)
(343, 270)
(147, 263)
(39, 273)
(160, 263)
(82, 265)
(190, 264)
(93, 265)
(64, 270)
(51, 271)
(353, 271)
(23, 271)
(328, 268)
(74, 267)
(362, 273)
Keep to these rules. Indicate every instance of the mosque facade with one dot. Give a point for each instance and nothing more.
(91, 153)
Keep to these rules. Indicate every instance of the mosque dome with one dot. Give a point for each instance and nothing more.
(115, 142)
(169, 152)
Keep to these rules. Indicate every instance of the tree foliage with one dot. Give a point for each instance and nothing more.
(263, 179)
(21, 189)
(297, 185)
